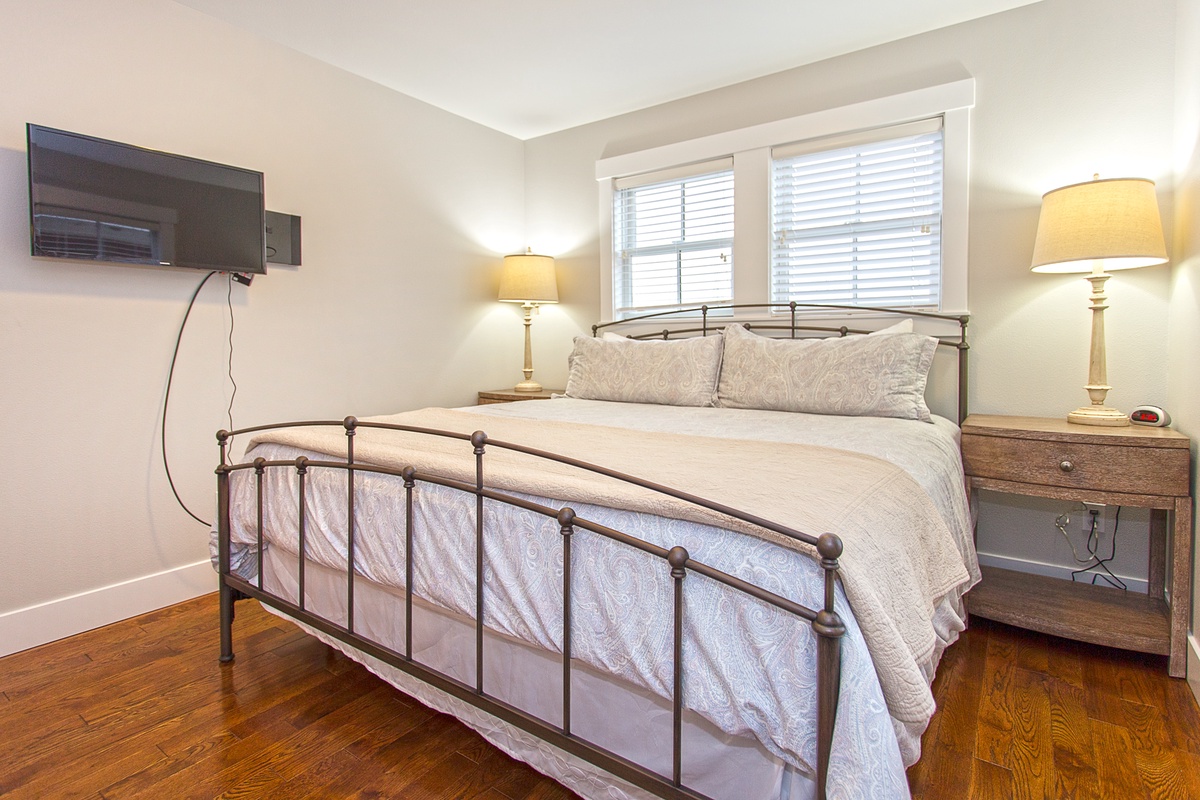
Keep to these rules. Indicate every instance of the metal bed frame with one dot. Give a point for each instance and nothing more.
(825, 621)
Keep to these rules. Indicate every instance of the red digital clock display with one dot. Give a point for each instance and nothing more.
(1149, 415)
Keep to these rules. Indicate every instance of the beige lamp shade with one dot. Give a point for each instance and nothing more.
(528, 278)
(1114, 220)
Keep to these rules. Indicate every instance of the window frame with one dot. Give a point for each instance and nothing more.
(750, 149)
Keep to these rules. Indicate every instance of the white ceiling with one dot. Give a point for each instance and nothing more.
(531, 67)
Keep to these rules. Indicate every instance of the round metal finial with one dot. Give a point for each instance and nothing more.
(566, 517)
(350, 423)
(258, 464)
(409, 474)
(677, 557)
(222, 436)
(479, 439)
(829, 545)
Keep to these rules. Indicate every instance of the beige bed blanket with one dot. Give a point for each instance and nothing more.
(900, 558)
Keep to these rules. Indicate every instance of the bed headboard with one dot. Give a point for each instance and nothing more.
(804, 320)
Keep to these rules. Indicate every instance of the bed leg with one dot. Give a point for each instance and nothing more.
(829, 660)
(227, 594)
(227, 599)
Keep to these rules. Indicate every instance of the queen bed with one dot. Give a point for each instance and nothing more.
(723, 566)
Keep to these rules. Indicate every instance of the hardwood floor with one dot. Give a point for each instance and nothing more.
(1023, 715)
(142, 709)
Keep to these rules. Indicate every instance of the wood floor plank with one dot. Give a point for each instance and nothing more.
(1116, 767)
(1031, 756)
(81, 776)
(993, 738)
(1071, 741)
(990, 782)
(1158, 764)
(1182, 711)
(314, 781)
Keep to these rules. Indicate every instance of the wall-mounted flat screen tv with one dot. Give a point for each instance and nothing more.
(96, 200)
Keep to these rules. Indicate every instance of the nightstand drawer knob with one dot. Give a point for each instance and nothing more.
(1066, 465)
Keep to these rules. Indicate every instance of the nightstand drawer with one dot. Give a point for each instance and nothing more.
(1112, 468)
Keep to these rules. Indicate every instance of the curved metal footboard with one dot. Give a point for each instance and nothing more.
(825, 621)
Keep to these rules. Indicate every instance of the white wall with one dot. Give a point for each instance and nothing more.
(406, 210)
(1184, 350)
(1064, 88)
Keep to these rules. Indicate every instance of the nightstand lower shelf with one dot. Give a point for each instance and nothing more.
(1098, 614)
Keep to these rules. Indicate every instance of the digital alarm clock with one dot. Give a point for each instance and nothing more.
(1150, 415)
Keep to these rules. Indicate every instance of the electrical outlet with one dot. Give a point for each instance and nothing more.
(1090, 510)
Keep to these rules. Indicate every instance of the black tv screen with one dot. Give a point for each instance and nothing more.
(97, 200)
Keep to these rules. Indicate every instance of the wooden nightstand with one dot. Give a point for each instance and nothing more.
(511, 396)
(1133, 466)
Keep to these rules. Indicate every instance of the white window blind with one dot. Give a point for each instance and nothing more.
(857, 220)
(673, 239)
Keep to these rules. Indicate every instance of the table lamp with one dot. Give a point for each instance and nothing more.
(528, 279)
(1092, 227)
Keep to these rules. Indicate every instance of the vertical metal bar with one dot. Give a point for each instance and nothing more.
(792, 305)
(301, 472)
(409, 483)
(478, 440)
(566, 519)
(704, 320)
(258, 481)
(350, 423)
(677, 557)
(226, 593)
(829, 629)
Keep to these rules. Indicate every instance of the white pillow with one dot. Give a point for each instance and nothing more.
(869, 376)
(903, 326)
(678, 372)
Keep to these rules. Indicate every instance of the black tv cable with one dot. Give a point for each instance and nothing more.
(171, 375)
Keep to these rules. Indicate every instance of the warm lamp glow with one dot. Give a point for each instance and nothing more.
(1093, 227)
(1115, 221)
(528, 279)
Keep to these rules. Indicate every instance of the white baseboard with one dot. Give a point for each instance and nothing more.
(1193, 666)
(1053, 570)
(67, 616)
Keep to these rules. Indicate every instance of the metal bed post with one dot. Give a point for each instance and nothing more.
(259, 469)
(408, 473)
(478, 440)
(350, 423)
(677, 558)
(301, 475)
(566, 524)
(829, 629)
(226, 591)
